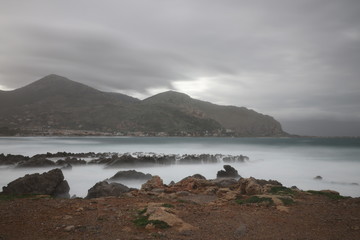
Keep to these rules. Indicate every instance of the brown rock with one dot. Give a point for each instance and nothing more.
(249, 186)
(156, 211)
(154, 183)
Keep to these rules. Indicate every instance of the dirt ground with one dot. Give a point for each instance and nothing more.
(311, 217)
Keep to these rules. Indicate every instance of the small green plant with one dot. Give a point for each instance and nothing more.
(255, 199)
(142, 220)
(168, 205)
(287, 201)
(280, 190)
(142, 211)
(331, 195)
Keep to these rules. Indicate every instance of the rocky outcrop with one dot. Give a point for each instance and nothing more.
(49, 183)
(154, 183)
(105, 189)
(36, 162)
(130, 175)
(12, 159)
(252, 186)
(231, 159)
(249, 186)
(229, 172)
(72, 161)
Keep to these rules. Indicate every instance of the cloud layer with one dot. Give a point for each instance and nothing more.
(295, 60)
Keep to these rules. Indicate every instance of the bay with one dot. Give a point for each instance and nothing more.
(292, 161)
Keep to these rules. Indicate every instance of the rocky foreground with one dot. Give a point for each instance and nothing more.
(228, 207)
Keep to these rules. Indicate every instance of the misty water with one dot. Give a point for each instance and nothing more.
(292, 161)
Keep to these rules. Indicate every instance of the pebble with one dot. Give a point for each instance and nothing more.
(69, 228)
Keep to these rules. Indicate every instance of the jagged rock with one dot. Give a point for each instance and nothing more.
(225, 182)
(49, 183)
(10, 159)
(230, 159)
(105, 189)
(191, 184)
(154, 183)
(249, 186)
(130, 160)
(131, 174)
(229, 172)
(202, 158)
(71, 161)
(36, 162)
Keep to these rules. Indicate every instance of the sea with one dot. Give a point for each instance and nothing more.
(292, 161)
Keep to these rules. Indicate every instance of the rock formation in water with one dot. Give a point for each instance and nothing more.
(49, 183)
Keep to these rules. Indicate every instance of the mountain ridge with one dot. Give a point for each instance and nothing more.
(57, 104)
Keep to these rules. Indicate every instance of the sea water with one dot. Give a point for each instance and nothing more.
(292, 161)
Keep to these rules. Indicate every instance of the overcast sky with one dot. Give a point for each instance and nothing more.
(298, 61)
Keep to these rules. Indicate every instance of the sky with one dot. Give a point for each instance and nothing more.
(298, 61)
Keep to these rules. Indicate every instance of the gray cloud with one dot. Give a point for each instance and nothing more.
(295, 60)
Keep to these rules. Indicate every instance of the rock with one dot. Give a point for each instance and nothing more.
(67, 166)
(230, 159)
(49, 183)
(69, 228)
(153, 183)
(318, 178)
(71, 161)
(156, 211)
(10, 159)
(225, 182)
(249, 186)
(131, 175)
(229, 172)
(191, 184)
(263, 182)
(36, 162)
(105, 189)
(198, 176)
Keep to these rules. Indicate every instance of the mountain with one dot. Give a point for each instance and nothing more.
(55, 103)
(239, 120)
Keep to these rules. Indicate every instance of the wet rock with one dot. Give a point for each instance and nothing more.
(10, 159)
(71, 161)
(36, 162)
(229, 172)
(231, 159)
(131, 175)
(105, 189)
(49, 183)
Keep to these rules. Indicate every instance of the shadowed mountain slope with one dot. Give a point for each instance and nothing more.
(55, 102)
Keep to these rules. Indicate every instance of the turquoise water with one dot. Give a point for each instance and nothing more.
(292, 161)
